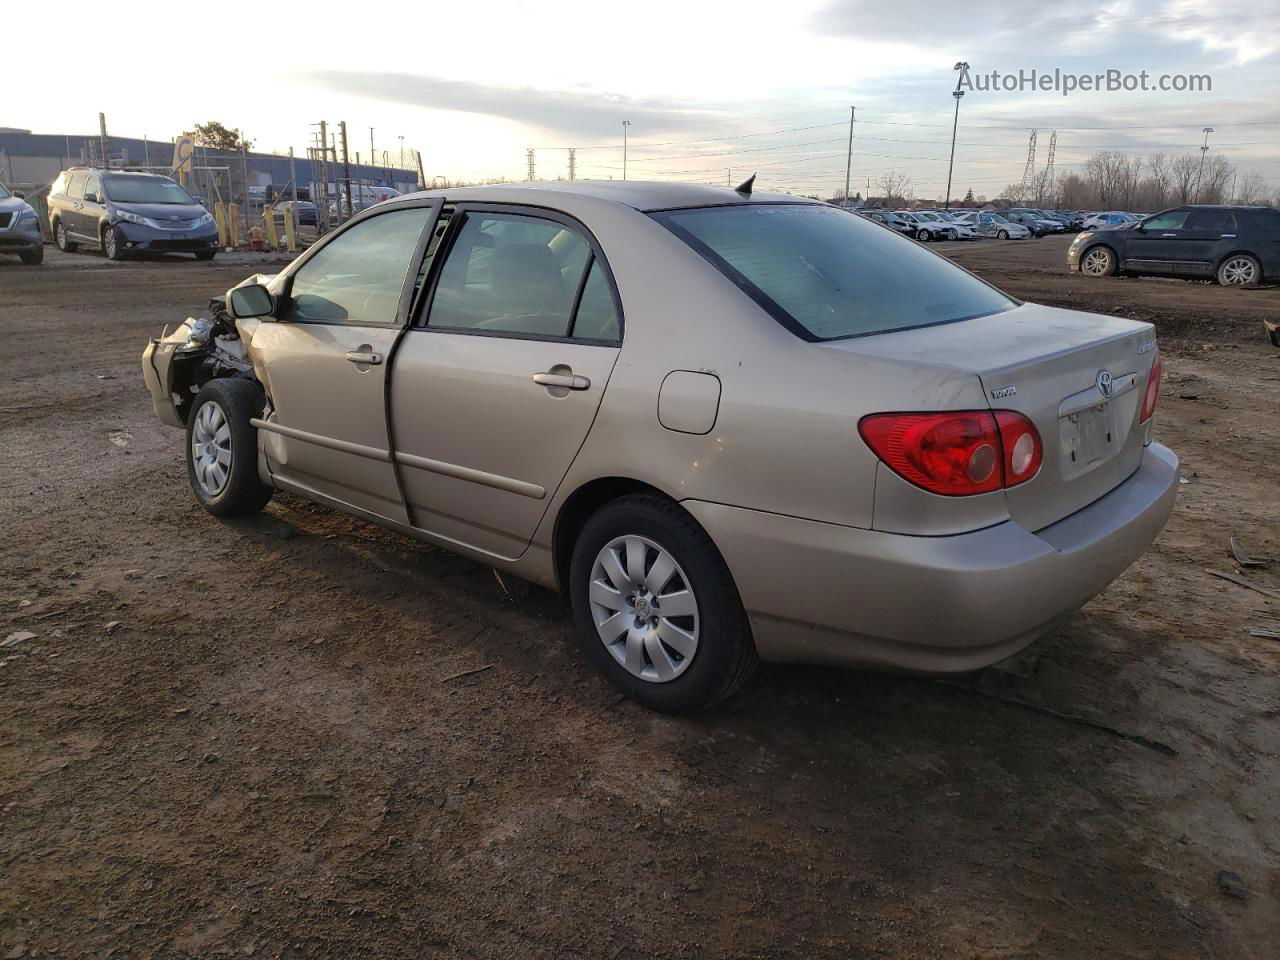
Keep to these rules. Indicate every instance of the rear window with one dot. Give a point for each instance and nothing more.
(826, 274)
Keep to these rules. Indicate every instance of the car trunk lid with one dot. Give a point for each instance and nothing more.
(1078, 377)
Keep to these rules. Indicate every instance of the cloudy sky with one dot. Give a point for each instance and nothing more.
(713, 90)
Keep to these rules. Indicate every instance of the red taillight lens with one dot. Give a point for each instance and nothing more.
(1022, 450)
(1152, 394)
(958, 453)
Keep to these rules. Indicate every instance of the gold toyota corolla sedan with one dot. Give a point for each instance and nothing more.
(728, 425)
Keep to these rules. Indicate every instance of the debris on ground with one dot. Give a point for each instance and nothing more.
(1243, 557)
(1231, 884)
(1242, 582)
(1264, 632)
(18, 636)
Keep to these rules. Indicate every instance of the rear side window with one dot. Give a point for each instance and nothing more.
(1214, 221)
(60, 185)
(507, 273)
(597, 316)
(827, 275)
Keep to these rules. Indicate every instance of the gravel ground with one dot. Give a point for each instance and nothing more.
(241, 738)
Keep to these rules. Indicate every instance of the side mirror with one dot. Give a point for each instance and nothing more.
(19, 194)
(251, 300)
(90, 198)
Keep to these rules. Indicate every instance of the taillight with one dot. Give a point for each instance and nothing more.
(957, 453)
(1152, 394)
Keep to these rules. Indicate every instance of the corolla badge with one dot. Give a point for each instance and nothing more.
(1105, 385)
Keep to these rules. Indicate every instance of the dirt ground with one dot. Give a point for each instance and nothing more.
(246, 739)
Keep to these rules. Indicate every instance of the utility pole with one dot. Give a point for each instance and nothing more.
(573, 164)
(625, 124)
(402, 152)
(848, 164)
(346, 166)
(1203, 150)
(103, 144)
(955, 123)
(528, 155)
(293, 179)
(373, 154)
(244, 178)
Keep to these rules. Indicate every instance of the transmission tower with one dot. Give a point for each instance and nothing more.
(1048, 169)
(573, 164)
(529, 155)
(1029, 172)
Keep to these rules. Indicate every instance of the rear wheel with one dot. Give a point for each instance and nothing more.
(1098, 262)
(222, 448)
(65, 244)
(656, 607)
(1240, 270)
(33, 258)
(112, 243)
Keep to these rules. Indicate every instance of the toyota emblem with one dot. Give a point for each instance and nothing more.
(1105, 386)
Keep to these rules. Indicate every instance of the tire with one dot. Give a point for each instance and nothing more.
(206, 254)
(719, 654)
(34, 258)
(1002, 235)
(1239, 270)
(231, 488)
(65, 244)
(1098, 261)
(1274, 337)
(924, 235)
(951, 235)
(113, 243)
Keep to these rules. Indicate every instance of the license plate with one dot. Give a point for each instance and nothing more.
(1088, 439)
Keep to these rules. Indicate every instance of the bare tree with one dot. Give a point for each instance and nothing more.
(896, 186)
(1213, 182)
(1182, 177)
(1251, 190)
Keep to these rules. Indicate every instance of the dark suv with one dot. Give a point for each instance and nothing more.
(1237, 246)
(124, 213)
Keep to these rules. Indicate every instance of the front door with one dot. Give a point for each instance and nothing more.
(1154, 246)
(324, 360)
(493, 395)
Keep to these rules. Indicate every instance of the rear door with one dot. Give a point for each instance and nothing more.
(324, 360)
(1208, 233)
(72, 215)
(93, 208)
(496, 386)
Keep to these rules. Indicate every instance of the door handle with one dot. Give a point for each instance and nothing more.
(565, 380)
(355, 356)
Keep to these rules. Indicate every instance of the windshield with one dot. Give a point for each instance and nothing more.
(827, 275)
(141, 189)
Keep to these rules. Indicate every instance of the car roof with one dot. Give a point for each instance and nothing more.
(638, 194)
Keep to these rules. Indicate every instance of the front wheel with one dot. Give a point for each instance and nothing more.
(112, 243)
(1240, 270)
(924, 235)
(1274, 336)
(34, 257)
(1098, 262)
(1002, 235)
(222, 448)
(205, 254)
(65, 244)
(656, 607)
(951, 234)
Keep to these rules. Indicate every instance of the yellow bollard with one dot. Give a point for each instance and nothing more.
(233, 225)
(290, 240)
(220, 218)
(269, 221)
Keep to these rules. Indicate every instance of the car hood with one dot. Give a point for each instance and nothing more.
(14, 205)
(164, 211)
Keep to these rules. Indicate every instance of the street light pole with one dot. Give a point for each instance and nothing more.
(848, 164)
(1203, 150)
(625, 124)
(957, 93)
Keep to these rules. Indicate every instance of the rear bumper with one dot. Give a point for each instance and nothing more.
(821, 593)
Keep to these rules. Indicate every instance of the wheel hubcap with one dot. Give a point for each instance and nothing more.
(1238, 271)
(1096, 261)
(211, 448)
(644, 609)
(111, 244)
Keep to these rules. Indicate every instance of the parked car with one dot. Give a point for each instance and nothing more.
(20, 227)
(306, 210)
(989, 223)
(1109, 218)
(728, 426)
(123, 212)
(951, 228)
(891, 220)
(1237, 246)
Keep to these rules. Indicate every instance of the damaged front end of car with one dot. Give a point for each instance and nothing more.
(177, 364)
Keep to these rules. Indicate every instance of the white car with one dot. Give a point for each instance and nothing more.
(986, 223)
(1107, 218)
(944, 226)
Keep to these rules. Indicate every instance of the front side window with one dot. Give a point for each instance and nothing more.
(93, 188)
(508, 273)
(827, 275)
(358, 276)
(123, 188)
(1173, 220)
